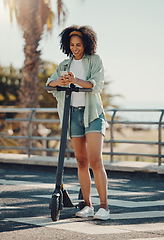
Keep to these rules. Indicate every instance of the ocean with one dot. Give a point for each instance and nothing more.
(146, 113)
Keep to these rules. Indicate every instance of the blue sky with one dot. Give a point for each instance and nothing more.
(130, 42)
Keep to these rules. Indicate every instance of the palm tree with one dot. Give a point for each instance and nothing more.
(32, 16)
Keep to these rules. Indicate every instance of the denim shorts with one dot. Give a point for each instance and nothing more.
(77, 128)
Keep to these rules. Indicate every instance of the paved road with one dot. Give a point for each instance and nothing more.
(136, 204)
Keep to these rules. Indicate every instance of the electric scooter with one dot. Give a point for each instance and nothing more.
(60, 197)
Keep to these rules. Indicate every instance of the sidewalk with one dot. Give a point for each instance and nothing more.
(136, 203)
(120, 166)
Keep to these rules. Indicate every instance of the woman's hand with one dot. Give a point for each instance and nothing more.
(61, 81)
(70, 78)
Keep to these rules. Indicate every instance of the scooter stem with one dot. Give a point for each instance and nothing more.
(59, 175)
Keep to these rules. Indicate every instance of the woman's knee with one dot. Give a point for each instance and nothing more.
(96, 163)
(82, 162)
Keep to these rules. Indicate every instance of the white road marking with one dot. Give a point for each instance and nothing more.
(27, 183)
(82, 226)
(95, 199)
(9, 207)
(110, 191)
(74, 187)
(114, 202)
(137, 215)
(133, 204)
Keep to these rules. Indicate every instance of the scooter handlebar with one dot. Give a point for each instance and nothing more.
(73, 89)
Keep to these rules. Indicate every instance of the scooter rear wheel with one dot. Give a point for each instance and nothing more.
(55, 208)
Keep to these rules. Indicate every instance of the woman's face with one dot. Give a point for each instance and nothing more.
(77, 47)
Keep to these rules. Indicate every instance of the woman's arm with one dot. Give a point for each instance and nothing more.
(82, 83)
(97, 73)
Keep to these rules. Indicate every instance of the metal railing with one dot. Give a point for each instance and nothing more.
(113, 121)
(158, 123)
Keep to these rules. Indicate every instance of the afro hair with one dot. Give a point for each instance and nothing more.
(89, 38)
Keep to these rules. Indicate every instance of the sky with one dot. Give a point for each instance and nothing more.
(130, 42)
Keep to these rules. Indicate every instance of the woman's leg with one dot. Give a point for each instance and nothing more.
(79, 146)
(94, 149)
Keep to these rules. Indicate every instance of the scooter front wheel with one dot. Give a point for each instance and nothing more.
(55, 208)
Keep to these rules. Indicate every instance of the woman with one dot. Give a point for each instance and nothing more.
(87, 121)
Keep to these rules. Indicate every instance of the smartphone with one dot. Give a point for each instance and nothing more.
(63, 73)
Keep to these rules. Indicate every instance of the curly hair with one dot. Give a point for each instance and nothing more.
(89, 38)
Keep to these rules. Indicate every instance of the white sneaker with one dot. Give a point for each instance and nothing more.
(102, 214)
(85, 212)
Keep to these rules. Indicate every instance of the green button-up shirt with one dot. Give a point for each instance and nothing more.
(94, 73)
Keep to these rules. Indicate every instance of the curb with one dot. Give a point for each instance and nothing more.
(117, 166)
